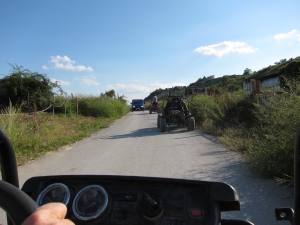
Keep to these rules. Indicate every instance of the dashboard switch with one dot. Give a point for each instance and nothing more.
(126, 197)
(150, 207)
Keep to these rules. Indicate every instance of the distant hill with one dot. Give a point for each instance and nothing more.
(161, 93)
(230, 83)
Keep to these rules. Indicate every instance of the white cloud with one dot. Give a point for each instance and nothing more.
(226, 47)
(291, 35)
(68, 64)
(89, 81)
(45, 67)
(60, 82)
(140, 90)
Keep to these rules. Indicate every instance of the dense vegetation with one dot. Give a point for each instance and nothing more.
(263, 127)
(70, 118)
(29, 90)
(265, 133)
(227, 83)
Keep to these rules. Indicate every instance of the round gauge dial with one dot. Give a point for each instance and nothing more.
(57, 192)
(90, 202)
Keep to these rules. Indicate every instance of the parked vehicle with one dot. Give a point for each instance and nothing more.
(137, 104)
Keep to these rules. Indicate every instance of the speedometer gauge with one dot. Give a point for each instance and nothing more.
(90, 202)
(57, 192)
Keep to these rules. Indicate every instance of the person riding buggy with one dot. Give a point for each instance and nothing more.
(154, 105)
(175, 112)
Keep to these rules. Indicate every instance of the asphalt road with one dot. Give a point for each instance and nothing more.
(134, 146)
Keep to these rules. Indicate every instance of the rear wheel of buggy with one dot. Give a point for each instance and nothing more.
(158, 121)
(150, 111)
(163, 124)
(191, 123)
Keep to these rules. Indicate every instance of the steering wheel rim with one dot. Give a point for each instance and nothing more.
(17, 204)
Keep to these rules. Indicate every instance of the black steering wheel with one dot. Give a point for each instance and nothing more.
(16, 203)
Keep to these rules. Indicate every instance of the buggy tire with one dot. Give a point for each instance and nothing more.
(191, 124)
(163, 124)
(150, 111)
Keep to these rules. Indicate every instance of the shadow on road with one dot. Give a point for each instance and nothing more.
(213, 139)
(257, 194)
(136, 133)
(144, 132)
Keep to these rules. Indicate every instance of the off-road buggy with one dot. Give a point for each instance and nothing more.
(176, 113)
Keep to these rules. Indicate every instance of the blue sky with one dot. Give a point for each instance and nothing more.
(136, 46)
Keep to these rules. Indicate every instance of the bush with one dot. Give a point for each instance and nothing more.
(262, 129)
(238, 110)
(28, 90)
(272, 147)
(34, 134)
(205, 107)
(101, 107)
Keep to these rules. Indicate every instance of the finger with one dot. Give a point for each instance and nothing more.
(58, 210)
(67, 222)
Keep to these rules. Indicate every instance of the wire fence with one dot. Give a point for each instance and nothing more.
(58, 104)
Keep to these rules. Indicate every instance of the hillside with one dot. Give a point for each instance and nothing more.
(225, 83)
(290, 69)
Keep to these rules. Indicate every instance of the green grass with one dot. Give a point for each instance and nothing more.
(263, 131)
(34, 135)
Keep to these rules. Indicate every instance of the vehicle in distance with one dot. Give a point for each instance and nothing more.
(137, 104)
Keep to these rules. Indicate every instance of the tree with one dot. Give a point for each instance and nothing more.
(247, 72)
(282, 61)
(26, 89)
(122, 98)
(110, 93)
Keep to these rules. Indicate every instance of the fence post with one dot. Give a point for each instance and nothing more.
(77, 106)
(53, 110)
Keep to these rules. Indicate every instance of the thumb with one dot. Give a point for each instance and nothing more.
(57, 210)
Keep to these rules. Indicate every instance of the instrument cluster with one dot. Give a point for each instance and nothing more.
(132, 200)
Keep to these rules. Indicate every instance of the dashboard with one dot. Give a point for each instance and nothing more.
(124, 200)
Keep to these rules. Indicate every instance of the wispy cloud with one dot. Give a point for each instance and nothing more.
(68, 64)
(141, 90)
(226, 47)
(45, 67)
(291, 35)
(89, 81)
(60, 82)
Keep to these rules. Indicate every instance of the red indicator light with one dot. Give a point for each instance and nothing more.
(197, 213)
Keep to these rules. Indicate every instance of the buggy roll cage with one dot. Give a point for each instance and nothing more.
(10, 175)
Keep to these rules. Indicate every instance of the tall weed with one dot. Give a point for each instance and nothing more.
(263, 130)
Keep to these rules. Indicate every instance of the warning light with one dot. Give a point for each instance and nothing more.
(197, 213)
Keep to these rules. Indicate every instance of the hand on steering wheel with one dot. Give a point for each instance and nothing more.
(16, 203)
(49, 214)
(21, 209)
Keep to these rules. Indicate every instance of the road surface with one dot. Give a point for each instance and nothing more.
(134, 146)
